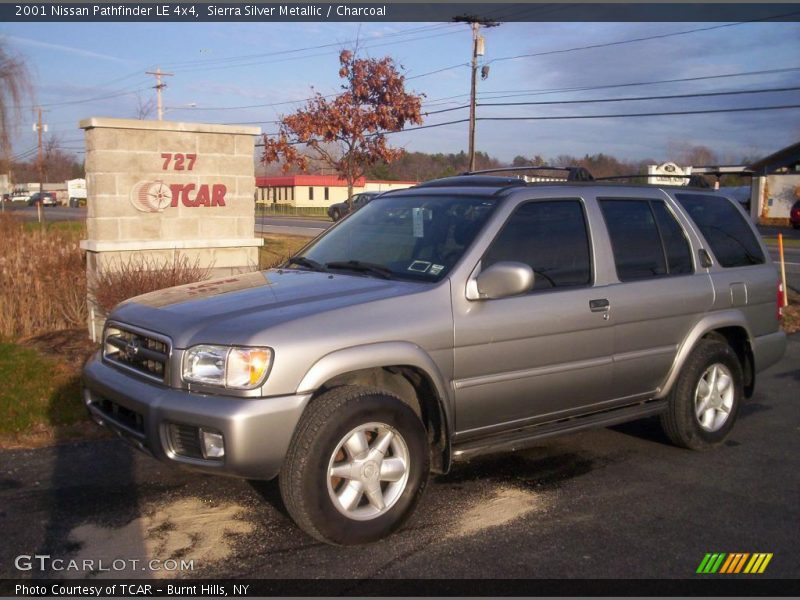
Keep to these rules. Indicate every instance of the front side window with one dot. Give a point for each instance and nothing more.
(414, 237)
(549, 236)
(731, 239)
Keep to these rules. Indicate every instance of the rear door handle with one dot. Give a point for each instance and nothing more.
(599, 305)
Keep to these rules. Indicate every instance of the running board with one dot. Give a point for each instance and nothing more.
(521, 438)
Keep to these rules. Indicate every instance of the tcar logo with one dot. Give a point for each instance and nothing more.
(156, 196)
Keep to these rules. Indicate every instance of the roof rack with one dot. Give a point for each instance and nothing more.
(573, 173)
(473, 181)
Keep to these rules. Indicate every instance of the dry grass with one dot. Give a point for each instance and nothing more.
(140, 275)
(42, 279)
(791, 313)
(277, 248)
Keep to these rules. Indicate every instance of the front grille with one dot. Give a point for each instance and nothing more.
(135, 350)
(185, 440)
(119, 414)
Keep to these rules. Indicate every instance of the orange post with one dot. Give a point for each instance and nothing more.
(783, 271)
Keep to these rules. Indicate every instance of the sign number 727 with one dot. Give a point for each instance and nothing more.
(178, 161)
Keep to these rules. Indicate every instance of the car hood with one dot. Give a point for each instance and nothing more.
(236, 309)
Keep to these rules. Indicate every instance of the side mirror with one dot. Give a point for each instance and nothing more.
(504, 279)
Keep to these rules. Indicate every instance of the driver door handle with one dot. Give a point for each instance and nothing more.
(599, 305)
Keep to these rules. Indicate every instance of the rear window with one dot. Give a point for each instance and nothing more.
(731, 238)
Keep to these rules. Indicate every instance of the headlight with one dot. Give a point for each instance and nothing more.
(225, 366)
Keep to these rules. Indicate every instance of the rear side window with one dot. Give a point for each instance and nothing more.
(676, 246)
(551, 237)
(731, 239)
(646, 239)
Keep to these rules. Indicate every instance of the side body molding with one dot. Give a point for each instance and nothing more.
(710, 322)
(383, 354)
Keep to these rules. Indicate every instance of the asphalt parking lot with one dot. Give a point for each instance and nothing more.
(609, 503)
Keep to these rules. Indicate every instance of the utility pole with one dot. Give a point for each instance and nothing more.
(478, 49)
(39, 127)
(472, 90)
(158, 73)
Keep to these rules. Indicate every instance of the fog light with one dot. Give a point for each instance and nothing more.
(213, 444)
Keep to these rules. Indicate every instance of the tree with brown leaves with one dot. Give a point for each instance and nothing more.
(346, 132)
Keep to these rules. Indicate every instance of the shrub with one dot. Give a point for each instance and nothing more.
(139, 275)
(42, 279)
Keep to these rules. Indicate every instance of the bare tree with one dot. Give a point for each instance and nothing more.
(144, 108)
(686, 154)
(59, 164)
(14, 88)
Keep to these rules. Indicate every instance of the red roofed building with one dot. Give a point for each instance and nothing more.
(316, 190)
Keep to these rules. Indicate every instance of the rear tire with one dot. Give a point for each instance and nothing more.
(356, 467)
(705, 399)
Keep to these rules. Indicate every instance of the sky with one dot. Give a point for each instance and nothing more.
(98, 69)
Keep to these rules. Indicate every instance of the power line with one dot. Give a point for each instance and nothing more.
(638, 98)
(648, 114)
(628, 99)
(298, 101)
(229, 59)
(314, 55)
(86, 100)
(639, 39)
(25, 154)
(541, 91)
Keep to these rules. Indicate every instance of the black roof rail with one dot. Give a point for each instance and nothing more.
(573, 173)
(472, 181)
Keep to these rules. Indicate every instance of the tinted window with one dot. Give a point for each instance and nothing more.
(679, 255)
(638, 253)
(731, 239)
(549, 236)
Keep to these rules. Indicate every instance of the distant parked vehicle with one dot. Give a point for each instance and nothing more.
(46, 198)
(76, 192)
(342, 209)
(20, 197)
(794, 215)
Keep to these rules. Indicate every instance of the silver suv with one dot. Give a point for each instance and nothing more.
(463, 316)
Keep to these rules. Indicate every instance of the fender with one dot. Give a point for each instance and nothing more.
(725, 318)
(383, 354)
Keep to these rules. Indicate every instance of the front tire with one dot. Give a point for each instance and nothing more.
(705, 399)
(356, 467)
(336, 215)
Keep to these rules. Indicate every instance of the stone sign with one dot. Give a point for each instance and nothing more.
(159, 189)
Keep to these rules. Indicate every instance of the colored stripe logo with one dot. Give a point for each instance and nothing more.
(733, 563)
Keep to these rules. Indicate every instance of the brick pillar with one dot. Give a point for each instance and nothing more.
(157, 188)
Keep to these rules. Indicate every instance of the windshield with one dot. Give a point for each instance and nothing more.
(401, 237)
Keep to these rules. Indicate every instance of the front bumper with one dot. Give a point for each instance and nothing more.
(257, 431)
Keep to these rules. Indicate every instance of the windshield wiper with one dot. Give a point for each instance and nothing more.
(302, 261)
(364, 267)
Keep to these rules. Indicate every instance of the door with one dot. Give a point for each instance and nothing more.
(659, 296)
(541, 355)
